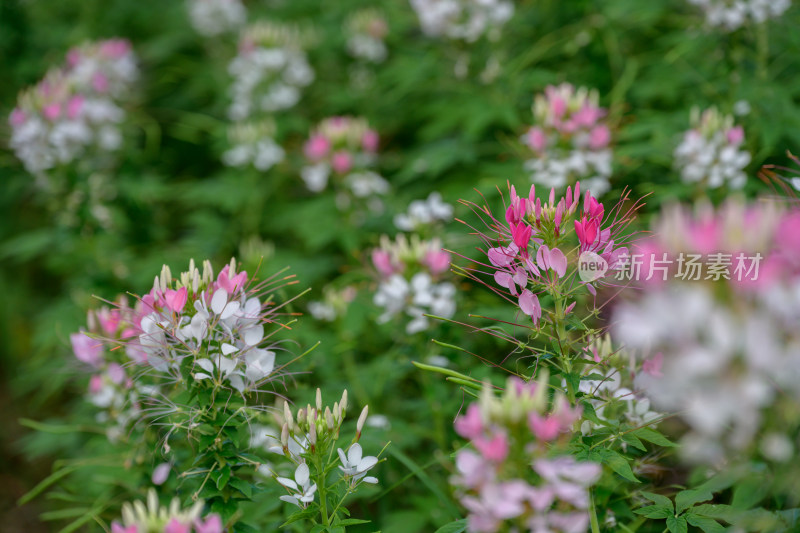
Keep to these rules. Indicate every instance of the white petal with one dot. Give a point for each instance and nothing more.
(219, 300)
(228, 349)
(366, 463)
(286, 482)
(205, 364)
(253, 335)
(290, 499)
(370, 479)
(354, 454)
(230, 310)
(302, 475)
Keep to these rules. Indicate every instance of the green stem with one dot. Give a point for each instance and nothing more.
(762, 45)
(560, 332)
(593, 513)
(323, 496)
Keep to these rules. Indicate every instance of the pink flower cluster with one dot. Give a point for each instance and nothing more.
(346, 148)
(410, 272)
(732, 231)
(570, 140)
(533, 261)
(511, 434)
(712, 152)
(722, 350)
(76, 108)
(218, 323)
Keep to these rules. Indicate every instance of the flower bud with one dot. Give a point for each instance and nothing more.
(208, 272)
(301, 417)
(343, 402)
(285, 438)
(319, 400)
(312, 435)
(329, 418)
(361, 419)
(287, 415)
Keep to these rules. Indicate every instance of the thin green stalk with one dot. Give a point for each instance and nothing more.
(593, 514)
(323, 493)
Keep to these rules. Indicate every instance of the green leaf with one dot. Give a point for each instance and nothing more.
(677, 524)
(688, 498)
(302, 514)
(708, 525)
(654, 511)
(459, 526)
(633, 440)
(658, 499)
(574, 380)
(351, 522)
(651, 435)
(618, 464)
(748, 493)
(242, 486)
(725, 512)
(224, 476)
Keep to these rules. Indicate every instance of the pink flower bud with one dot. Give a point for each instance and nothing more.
(653, 366)
(537, 140)
(174, 526)
(599, 137)
(470, 426)
(370, 141)
(116, 373)
(52, 111)
(383, 262)
(437, 261)
(176, 300)
(545, 428)
(17, 117)
(74, 106)
(342, 162)
(95, 384)
(495, 450)
(161, 473)
(100, 82)
(317, 147)
(736, 135)
(86, 349)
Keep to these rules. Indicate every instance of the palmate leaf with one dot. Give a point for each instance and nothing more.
(654, 511)
(658, 499)
(688, 498)
(708, 525)
(618, 463)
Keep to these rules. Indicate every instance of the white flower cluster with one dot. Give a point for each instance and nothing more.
(216, 324)
(253, 144)
(366, 30)
(215, 17)
(416, 297)
(733, 14)
(556, 171)
(424, 213)
(711, 152)
(269, 71)
(721, 369)
(464, 20)
(75, 111)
